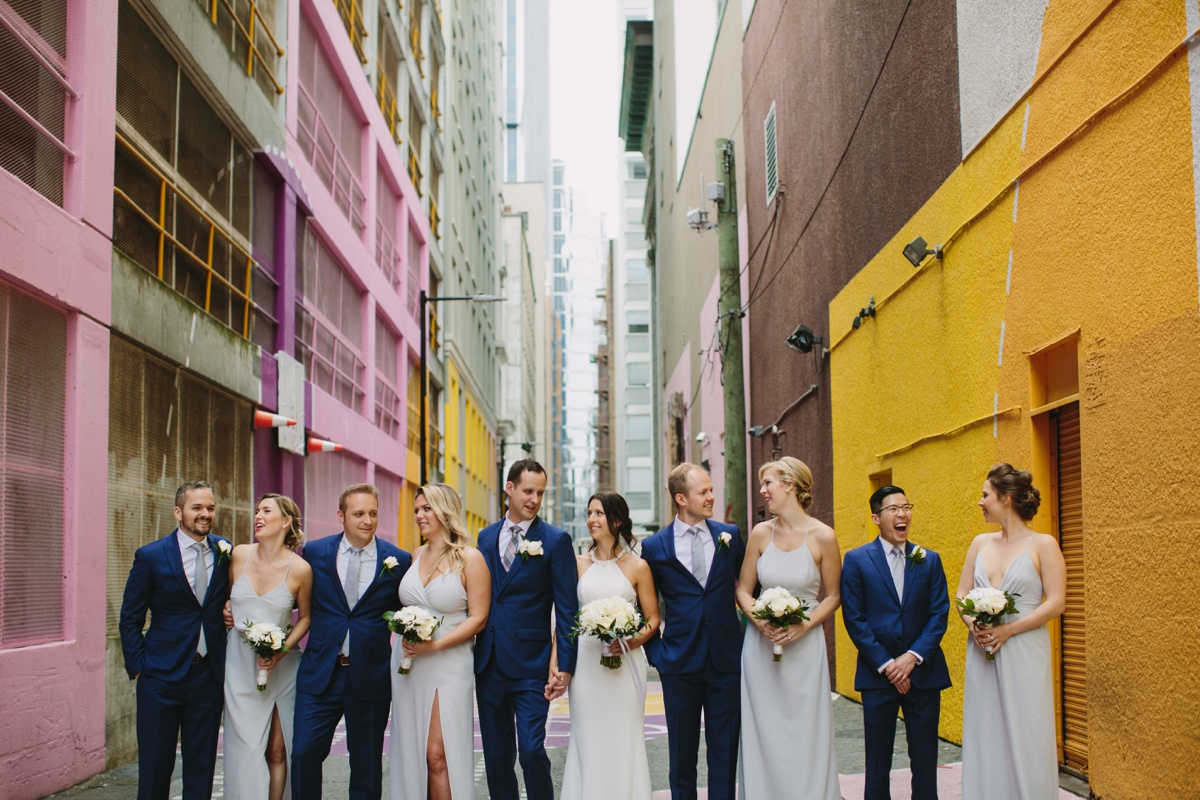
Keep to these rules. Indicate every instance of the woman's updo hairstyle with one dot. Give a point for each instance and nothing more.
(794, 473)
(1017, 485)
(293, 537)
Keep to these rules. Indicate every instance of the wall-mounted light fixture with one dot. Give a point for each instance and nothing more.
(701, 437)
(917, 251)
(864, 313)
(803, 339)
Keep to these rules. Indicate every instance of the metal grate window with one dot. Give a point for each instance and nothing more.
(165, 427)
(386, 255)
(328, 127)
(34, 91)
(769, 142)
(329, 324)
(33, 359)
(389, 487)
(414, 273)
(245, 27)
(387, 396)
(325, 476)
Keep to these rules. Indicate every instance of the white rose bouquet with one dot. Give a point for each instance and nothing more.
(989, 607)
(265, 639)
(779, 607)
(609, 619)
(414, 624)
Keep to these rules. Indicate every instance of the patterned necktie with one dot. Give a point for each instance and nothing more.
(897, 559)
(510, 549)
(200, 580)
(699, 567)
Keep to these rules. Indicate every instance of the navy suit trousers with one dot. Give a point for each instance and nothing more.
(921, 710)
(719, 696)
(502, 700)
(316, 721)
(191, 707)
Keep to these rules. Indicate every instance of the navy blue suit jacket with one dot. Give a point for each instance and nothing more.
(701, 622)
(370, 638)
(157, 583)
(883, 628)
(518, 628)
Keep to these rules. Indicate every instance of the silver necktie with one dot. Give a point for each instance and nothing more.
(897, 559)
(699, 568)
(353, 567)
(200, 579)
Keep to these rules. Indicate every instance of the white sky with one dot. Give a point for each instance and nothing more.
(587, 43)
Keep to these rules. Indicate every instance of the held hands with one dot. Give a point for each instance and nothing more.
(227, 614)
(269, 663)
(556, 684)
(992, 636)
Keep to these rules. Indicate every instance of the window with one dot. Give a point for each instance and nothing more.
(769, 142)
(329, 324)
(385, 233)
(637, 169)
(182, 181)
(387, 395)
(324, 480)
(636, 271)
(639, 476)
(33, 79)
(33, 372)
(638, 500)
(248, 24)
(638, 320)
(637, 343)
(328, 128)
(639, 373)
(638, 426)
(637, 447)
(637, 396)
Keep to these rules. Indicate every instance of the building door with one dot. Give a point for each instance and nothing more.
(1068, 474)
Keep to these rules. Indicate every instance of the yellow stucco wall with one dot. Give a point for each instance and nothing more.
(1103, 244)
(470, 452)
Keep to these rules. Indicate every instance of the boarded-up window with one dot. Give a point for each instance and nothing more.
(167, 426)
(387, 395)
(329, 129)
(325, 476)
(389, 486)
(33, 365)
(33, 79)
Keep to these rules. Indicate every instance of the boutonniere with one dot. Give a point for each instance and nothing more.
(389, 564)
(224, 548)
(527, 548)
(917, 556)
(723, 541)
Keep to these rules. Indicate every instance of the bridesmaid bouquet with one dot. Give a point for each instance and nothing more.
(265, 639)
(609, 619)
(414, 624)
(988, 606)
(779, 607)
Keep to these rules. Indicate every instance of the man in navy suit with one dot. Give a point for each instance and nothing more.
(345, 669)
(533, 575)
(179, 663)
(695, 562)
(895, 606)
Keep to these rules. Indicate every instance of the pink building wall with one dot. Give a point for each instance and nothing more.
(53, 693)
(381, 161)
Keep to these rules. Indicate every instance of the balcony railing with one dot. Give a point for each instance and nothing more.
(413, 439)
(435, 219)
(166, 212)
(387, 408)
(435, 109)
(248, 31)
(414, 169)
(351, 13)
(387, 104)
(414, 39)
(320, 148)
(329, 361)
(434, 330)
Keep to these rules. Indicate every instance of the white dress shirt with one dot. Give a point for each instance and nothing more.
(683, 544)
(366, 573)
(189, 571)
(887, 556)
(506, 533)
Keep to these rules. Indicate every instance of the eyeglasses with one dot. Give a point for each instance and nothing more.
(893, 509)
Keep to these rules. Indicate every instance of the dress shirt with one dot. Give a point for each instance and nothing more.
(366, 573)
(189, 570)
(506, 532)
(683, 544)
(887, 555)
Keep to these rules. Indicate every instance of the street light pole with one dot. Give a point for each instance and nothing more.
(425, 300)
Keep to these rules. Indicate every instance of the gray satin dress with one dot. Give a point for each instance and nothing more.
(1009, 750)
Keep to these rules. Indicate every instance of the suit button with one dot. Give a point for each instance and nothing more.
(902, 613)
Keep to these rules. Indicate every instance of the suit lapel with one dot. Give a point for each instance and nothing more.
(331, 565)
(175, 564)
(910, 574)
(673, 556)
(875, 553)
(214, 577)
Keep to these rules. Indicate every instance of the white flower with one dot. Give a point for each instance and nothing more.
(988, 600)
(391, 562)
(224, 547)
(529, 548)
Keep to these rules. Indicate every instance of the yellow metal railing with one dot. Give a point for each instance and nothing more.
(216, 231)
(434, 330)
(351, 13)
(435, 109)
(435, 220)
(414, 169)
(387, 104)
(414, 38)
(247, 30)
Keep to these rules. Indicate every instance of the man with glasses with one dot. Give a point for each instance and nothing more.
(896, 605)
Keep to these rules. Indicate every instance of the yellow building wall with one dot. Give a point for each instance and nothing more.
(470, 452)
(1102, 233)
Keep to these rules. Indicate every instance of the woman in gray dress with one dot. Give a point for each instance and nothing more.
(1009, 750)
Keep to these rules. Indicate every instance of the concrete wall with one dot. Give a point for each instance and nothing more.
(1096, 240)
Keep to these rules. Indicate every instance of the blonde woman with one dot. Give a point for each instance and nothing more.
(432, 739)
(268, 580)
(787, 702)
